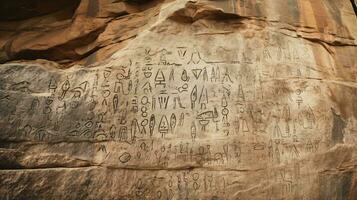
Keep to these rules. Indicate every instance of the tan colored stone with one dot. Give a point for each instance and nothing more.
(197, 100)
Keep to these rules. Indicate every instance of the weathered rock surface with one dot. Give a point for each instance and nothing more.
(211, 100)
(84, 31)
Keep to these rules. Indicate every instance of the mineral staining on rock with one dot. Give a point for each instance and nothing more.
(186, 111)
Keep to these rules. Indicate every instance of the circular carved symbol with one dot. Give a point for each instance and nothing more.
(125, 157)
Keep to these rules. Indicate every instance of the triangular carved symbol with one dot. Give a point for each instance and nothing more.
(197, 73)
(159, 76)
(163, 125)
(182, 52)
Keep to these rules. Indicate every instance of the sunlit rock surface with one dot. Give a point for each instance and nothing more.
(209, 100)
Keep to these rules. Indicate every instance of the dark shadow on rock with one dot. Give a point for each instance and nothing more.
(11, 10)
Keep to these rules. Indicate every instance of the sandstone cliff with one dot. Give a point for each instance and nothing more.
(225, 99)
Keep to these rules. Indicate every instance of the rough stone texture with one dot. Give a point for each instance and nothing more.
(83, 32)
(243, 99)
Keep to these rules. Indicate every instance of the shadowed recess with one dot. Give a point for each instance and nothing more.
(11, 10)
(354, 6)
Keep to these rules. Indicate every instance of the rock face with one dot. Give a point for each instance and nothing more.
(225, 99)
(69, 32)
